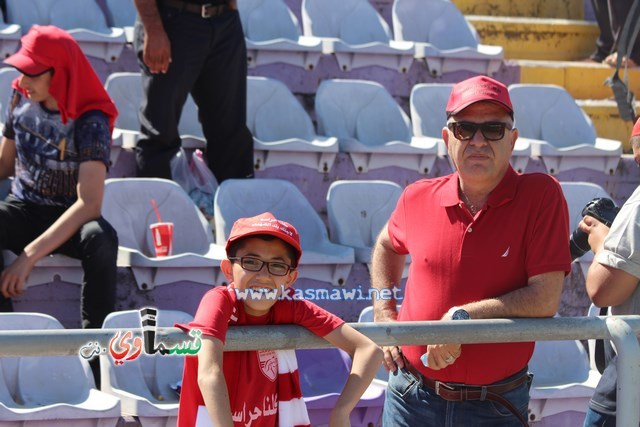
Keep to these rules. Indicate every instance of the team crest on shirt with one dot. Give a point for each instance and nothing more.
(268, 361)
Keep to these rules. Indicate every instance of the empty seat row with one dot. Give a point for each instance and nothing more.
(420, 31)
(361, 118)
(60, 390)
(83, 19)
(274, 35)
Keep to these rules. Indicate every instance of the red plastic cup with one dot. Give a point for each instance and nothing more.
(162, 233)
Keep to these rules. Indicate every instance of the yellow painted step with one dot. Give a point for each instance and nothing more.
(561, 9)
(606, 119)
(540, 39)
(582, 80)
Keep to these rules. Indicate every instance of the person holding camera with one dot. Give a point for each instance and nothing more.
(612, 281)
(485, 242)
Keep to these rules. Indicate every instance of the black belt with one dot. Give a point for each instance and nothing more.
(204, 10)
(461, 392)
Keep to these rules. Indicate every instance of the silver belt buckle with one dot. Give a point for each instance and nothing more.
(204, 12)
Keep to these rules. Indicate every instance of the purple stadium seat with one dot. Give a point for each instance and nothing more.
(323, 374)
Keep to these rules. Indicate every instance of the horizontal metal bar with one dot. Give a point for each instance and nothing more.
(241, 338)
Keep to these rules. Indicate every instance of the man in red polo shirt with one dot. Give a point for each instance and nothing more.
(485, 242)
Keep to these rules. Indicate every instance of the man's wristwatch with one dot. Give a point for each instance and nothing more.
(457, 313)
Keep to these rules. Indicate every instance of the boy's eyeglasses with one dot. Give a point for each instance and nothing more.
(491, 131)
(255, 264)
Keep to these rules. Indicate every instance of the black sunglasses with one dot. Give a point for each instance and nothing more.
(255, 264)
(491, 131)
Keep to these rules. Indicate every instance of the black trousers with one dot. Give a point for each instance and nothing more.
(209, 61)
(611, 15)
(95, 244)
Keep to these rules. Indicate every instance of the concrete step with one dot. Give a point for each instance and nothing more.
(606, 119)
(561, 9)
(583, 80)
(538, 38)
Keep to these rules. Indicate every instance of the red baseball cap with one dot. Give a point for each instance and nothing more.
(636, 129)
(266, 223)
(32, 59)
(476, 89)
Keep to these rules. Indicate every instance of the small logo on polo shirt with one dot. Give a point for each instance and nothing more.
(506, 253)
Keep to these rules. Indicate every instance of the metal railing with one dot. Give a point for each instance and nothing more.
(622, 330)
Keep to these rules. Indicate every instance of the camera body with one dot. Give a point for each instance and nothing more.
(600, 208)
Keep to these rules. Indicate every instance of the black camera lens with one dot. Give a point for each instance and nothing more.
(602, 209)
(578, 244)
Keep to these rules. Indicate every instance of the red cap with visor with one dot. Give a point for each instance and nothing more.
(476, 89)
(266, 223)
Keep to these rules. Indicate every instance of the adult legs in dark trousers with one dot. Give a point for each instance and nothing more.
(619, 10)
(604, 43)
(95, 244)
(208, 60)
(611, 16)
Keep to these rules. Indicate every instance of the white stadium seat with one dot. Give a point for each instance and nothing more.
(367, 43)
(127, 206)
(282, 130)
(563, 383)
(566, 137)
(144, 385)
(357, 210)
(83, 19)
(242, 198)
(52, 391)
(430, 23)
(273, 35)
(371, 127)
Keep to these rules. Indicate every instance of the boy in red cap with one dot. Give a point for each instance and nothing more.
(485, 242)
(262, 386)
(612, 281)
(56, 144)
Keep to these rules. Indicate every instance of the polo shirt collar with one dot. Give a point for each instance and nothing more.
(503, 193)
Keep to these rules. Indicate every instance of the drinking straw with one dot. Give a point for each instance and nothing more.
(155, 208)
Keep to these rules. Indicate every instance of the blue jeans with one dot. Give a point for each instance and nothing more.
(408, 403)
(597, 419)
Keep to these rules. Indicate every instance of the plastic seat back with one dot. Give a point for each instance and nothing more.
(73, 14)
(264, 20)
(7, 76)
(127, 206)
(148, 376)
(361, 110)
(335, 18)
(550, 113)
(357, 211)
(238, 198)
(122, 13)
(42, 380)
(322, 371)
(557, 363)
(52, 379)
(27, 13)
(125, 89)
(428, 102)
(274, 113)
(431, 21)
